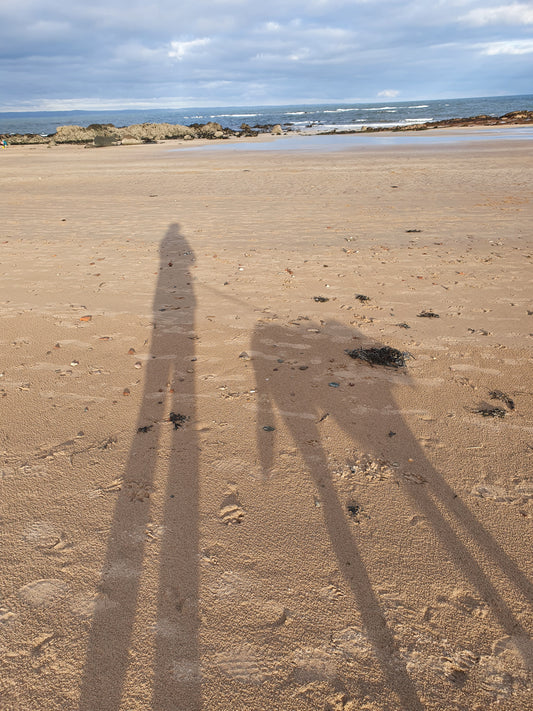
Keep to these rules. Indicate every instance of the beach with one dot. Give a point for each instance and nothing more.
(207, 502)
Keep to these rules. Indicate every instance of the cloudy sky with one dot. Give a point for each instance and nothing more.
(180, 53)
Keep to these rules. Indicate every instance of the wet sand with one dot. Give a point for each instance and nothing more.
(206, 503)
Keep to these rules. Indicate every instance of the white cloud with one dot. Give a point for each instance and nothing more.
(388, 93)
(514, 14)
(512, 47)
(180, 49)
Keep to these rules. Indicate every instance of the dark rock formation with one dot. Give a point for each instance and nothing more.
(514, 117)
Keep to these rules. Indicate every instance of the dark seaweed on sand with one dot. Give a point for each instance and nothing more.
(320, 299)
(428, 314)
(387, 356)
(499, 395)
(177, 419)
(489, 410)
(362, 297)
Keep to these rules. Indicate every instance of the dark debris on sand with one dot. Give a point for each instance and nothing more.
(428, 314)
(499, 395)
(362, 297)
(177, 419)
(387, 356)
(320, 299)
(145, 429)
(489, 410)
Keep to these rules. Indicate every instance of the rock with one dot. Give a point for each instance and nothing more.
(103, 141)
(156, 131)
(74, 134)
(277, 130)
(18, 139)
(247, 131)
(208, 130)
(129, 140)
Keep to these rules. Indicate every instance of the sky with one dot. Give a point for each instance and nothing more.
(113, 54)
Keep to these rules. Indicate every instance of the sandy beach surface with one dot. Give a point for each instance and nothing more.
(206, 502)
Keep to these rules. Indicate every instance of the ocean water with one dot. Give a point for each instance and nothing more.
(318, 117)
(302, 142)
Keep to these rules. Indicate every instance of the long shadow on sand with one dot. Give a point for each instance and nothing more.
(285, 393)
(169, 386)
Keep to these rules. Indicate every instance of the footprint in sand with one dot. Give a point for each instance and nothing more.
(230, 584)
(341, 702)
(451, 666)
(314, 664)
(331, 593)
(231, 511)
(86, 606)
(469, 603)
(187, 671)
(507, 671)
(7, 616)
(43, 593)
(522, 493)
(47, 538)
(245, 664)
(352, 643)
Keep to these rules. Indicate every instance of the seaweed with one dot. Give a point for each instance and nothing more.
(428, 314)
(353, 509)
(146, 428)
(499, 395)
(177, 419)
(362, 297)
(489, 410)
(320, 299)
(387, 356)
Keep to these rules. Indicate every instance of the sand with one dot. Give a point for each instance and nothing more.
(206, 503)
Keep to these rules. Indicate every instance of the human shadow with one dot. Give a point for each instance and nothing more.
(285, 391)
(163, 461)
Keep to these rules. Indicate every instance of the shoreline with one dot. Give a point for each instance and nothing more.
(105, 135)
(451, 138)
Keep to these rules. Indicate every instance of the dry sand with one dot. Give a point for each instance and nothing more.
(370, 549)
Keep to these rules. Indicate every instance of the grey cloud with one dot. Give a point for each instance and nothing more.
(235, 51)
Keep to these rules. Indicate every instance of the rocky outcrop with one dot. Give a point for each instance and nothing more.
(155, 131)
(514, 117)
(76, 134)
(23, 139)
(107, 134)
(248, 131)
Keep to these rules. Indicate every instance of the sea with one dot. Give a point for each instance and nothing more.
(297, 118)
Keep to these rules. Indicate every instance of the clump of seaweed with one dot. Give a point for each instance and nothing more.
(489, 410)
(387, 356)
(177, 419)
(362, 297)
(428, 314)
(499, 395)
(320, 299)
